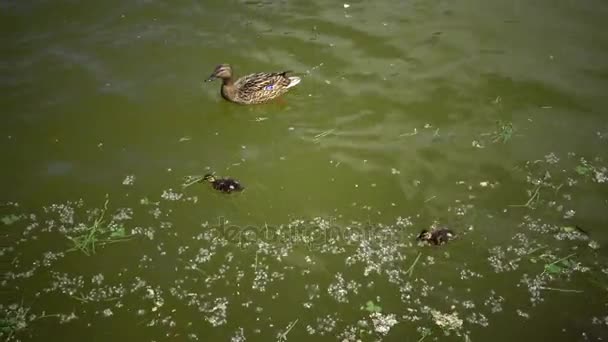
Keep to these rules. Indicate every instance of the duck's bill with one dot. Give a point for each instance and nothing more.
(211, 78)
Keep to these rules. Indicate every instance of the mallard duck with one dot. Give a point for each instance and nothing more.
(254, 88)
(436, 236)
(226, 185)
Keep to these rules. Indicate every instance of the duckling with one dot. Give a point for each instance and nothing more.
(436, 236)
(254, 88)
(225, 185)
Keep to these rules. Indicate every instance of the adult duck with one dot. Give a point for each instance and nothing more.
(254, 88)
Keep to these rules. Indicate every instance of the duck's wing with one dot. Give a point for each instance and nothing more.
(262, 82)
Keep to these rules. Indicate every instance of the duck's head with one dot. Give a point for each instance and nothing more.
(223, 71)
(424, 235)
(209, 178)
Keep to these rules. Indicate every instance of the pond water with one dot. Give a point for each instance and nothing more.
(488, 118)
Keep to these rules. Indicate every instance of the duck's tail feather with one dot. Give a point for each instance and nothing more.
(294, 80)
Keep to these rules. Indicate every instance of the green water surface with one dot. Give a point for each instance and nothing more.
(410, 114)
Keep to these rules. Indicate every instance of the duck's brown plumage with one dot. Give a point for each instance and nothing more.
(254, 88)
(436, 236)
(226, 185)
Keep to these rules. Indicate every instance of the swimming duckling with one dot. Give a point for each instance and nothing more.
(436, 236)
(226, 185)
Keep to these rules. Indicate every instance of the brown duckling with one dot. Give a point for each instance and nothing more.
(225, 185)
(254, 88)
(436, 236)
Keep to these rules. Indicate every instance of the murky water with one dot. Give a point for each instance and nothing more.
(487, 118)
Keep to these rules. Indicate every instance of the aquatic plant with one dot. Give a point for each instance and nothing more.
(382, 323)
(13, 318)
(371, 307)
(447, 322)
(10, 219)
(590, 171)
(561, 265)
(97, 234)
(504, 132)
